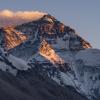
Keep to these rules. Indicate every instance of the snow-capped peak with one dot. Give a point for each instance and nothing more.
(48, 18)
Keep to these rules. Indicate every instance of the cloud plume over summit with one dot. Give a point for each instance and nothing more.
(8, 17)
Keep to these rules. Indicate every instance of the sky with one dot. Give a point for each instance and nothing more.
(82, 15)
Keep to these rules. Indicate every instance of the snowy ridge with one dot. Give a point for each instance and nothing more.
(11, 63)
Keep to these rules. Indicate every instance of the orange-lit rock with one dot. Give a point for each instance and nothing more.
(86, 45)
(12, 37)
(47, 51)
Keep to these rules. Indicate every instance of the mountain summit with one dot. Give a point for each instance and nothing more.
(48, 48)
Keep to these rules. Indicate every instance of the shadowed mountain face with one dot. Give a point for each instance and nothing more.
(46, 59)
(31, 86)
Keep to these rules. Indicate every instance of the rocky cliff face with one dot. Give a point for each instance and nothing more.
(56, 51)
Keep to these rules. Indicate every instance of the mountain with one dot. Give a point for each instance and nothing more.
(49, 50)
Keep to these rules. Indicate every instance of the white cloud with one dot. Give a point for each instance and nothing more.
(8, 17)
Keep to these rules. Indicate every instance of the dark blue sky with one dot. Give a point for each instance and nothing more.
(82, 15)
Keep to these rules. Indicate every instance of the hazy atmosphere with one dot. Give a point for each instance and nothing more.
(82, 15)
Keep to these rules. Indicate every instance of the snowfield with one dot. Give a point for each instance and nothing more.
(90, 57)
